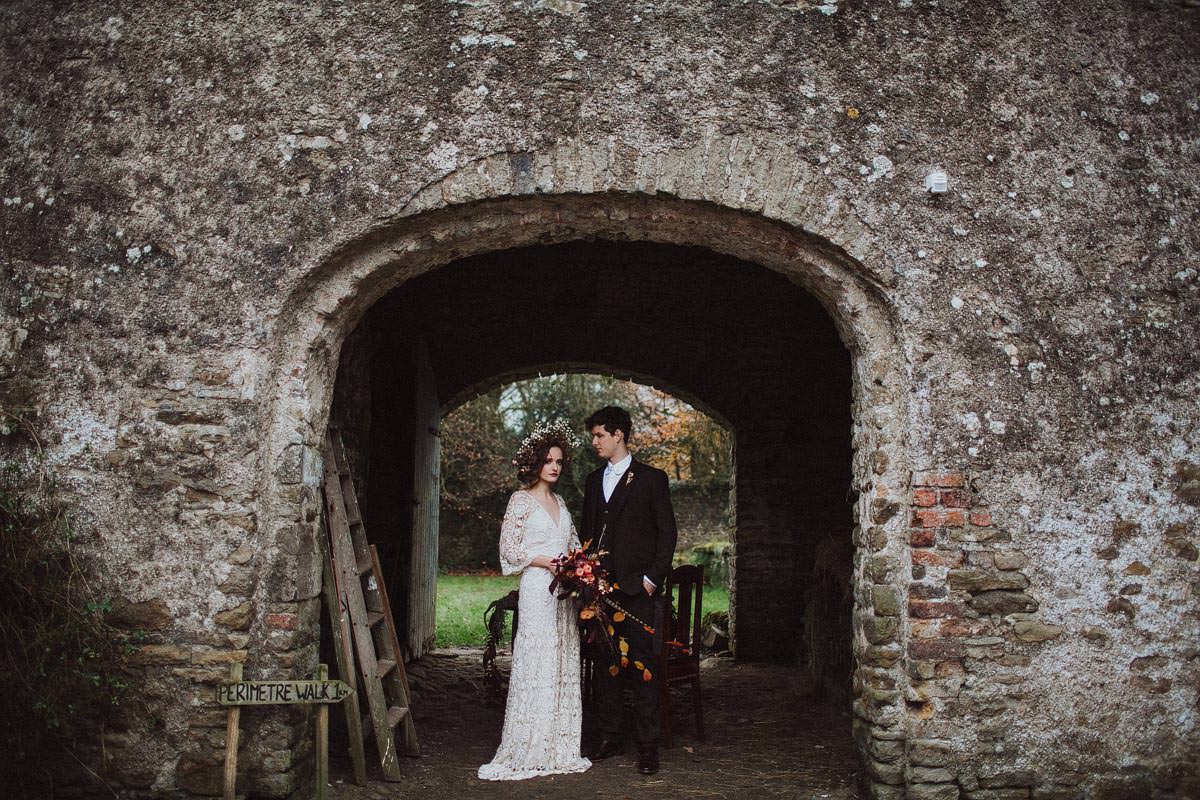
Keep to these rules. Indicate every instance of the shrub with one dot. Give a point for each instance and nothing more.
(714, 556)
(62, 663)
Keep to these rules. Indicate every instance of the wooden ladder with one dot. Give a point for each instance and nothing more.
(360, 583)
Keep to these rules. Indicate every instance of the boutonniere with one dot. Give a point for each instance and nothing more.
(629, 477)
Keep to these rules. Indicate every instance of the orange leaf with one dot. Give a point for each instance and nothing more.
(618, 616)
(624, 661)
(646, 676)
(613, 670)
(587, 613)
(623, 645)
(639, 665)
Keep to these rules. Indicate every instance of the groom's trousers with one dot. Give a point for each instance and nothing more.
(610, 707)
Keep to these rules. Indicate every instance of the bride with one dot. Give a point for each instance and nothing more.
(543, 719)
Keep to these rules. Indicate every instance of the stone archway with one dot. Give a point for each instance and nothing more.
(742, 341)
(442, 224)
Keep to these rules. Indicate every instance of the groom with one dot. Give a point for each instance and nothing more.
(627, 512)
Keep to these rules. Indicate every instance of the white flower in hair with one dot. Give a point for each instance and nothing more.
(558, 431)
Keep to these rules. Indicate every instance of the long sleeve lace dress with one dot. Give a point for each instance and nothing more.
(544, 715)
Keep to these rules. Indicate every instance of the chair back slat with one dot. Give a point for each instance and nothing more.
(686, 591)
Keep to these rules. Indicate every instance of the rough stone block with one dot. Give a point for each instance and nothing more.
(884, 772)
(206, 658)
(1122, 605)
(973, 580)
(148, 615)
(240, 582)
(1033, 631)
(885, 601)
(881, 655)
(929, 752)
(883, 510)
(930, 775)
(237, 618)
(884, 567)
(881, 630)
(932, 791)
(927, 591)
(1002, 602)
(1007, 560)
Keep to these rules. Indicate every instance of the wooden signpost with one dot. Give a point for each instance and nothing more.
(238, 693)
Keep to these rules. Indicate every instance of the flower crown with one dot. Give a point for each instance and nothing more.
(558, 432)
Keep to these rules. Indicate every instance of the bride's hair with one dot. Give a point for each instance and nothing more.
(531, 467)
(532, 453)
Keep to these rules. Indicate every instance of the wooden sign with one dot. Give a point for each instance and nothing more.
(262, 693)
(238, 693)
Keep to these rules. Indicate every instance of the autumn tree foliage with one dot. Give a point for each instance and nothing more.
(480, 437)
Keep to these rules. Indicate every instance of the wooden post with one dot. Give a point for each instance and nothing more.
(322, 740)
(231, 738)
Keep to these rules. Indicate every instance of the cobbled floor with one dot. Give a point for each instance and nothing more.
(768, 736)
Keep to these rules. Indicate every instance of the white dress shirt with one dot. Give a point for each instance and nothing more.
(612, 476)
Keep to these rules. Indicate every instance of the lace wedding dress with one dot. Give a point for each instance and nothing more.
(544, 715)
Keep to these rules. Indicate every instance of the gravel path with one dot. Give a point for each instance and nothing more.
(768, 736)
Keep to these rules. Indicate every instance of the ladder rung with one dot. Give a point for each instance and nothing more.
(395, 714)
(354, 521)
(365, 566)
(383, 666)
(374, 618)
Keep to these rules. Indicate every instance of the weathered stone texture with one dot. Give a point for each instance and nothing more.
(201, 203)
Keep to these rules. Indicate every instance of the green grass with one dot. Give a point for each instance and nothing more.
(462, 599)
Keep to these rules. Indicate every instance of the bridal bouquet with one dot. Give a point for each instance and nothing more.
(580, 576)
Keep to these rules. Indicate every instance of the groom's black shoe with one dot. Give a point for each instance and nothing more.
(607, 749)
(648, 761)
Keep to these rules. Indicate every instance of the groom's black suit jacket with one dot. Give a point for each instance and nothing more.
(636, 526)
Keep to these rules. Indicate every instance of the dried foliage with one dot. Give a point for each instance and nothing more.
(62, 667)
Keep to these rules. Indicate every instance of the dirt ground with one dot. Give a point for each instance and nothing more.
(768, 736)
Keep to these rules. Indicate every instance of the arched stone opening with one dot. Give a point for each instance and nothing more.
(749, 344)
(357, 284)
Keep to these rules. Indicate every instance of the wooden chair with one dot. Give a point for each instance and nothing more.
(679, 640)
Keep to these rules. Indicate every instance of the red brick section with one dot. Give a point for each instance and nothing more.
(936, 518)
(938, 558)
(924, 498)
(922, 537)
(941, 509)
(940, 480)
(980, 519)
(283, 621)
